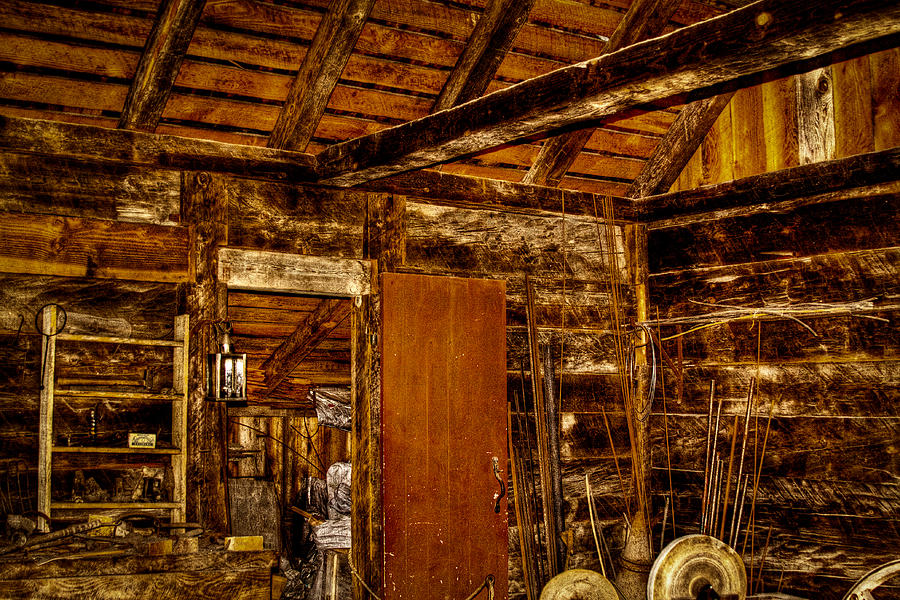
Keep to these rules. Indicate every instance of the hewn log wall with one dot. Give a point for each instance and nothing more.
(830, 482)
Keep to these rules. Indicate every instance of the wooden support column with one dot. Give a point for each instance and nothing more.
(384, 242)
(637, 554)
(204, 208)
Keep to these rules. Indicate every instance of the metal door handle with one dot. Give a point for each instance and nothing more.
(498, 495)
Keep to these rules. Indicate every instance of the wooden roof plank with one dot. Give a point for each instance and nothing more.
(487, 47)
(696, 62)
(323, 63)
(644, 19)
(159, 64)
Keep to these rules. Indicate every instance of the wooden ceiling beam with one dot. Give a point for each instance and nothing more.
(160, 62)
(118, 146)
(677, 147)
(329, 313)
(477, 192)
(319, 73)
(828, 180)
(645, 19)
(712, 57)
(487, 46)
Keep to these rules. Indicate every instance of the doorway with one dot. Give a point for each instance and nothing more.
(289, 447)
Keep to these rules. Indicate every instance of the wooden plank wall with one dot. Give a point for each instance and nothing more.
(564, 257)
(830, 484)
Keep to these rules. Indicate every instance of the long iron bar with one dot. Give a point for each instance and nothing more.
(728, 477)
(590, 502)
(710, 528)
(744, 443)
(705, 501)
(736, 523)
(762, 561)
(757, 476)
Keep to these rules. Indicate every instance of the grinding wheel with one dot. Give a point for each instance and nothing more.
(693, 563)
(579, 584)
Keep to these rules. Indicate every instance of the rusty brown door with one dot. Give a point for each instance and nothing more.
(444, 426)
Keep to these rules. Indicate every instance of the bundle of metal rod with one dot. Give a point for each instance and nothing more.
(711, 502)
(542, 441)
(709, 420)
(733, 533)
(525, 539)
(530, 526)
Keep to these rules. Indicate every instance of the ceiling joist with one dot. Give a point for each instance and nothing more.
(160, 62)
(490, 41)
(645, 19)
(712, 57)
(322, 66)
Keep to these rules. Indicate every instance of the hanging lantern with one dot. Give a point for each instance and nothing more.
(227, 372)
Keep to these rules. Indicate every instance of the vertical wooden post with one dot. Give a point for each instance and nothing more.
(632, 577)
(180, 370)
(384, 241)
(204, 207)
(45, 427)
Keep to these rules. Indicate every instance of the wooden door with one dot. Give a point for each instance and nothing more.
(443, 350)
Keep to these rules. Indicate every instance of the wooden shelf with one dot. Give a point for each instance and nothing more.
(108, 505)
(139, 396)
(73, 337)
(177, 403)
(103, 450)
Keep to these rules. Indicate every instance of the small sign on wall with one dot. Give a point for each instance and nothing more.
(142, 440)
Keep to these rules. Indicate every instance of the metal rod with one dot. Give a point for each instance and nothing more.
(762, 560)
(704, 501)
(662, 532)
(714, 515)
(736, 523)
(728, 478)
(744, 443)
(517, 504)
(590, 502)
(540, 422)
(710, 528)
(758, 474)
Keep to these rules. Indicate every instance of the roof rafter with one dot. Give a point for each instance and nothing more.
(327, 315)
(319, 73)
(677, 147)
(644, 19)
(160, 62)
(487, 46)
(712, 57)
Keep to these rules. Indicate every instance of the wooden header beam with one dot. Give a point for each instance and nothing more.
(260, 270)
(88, 142)
(696, 62)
